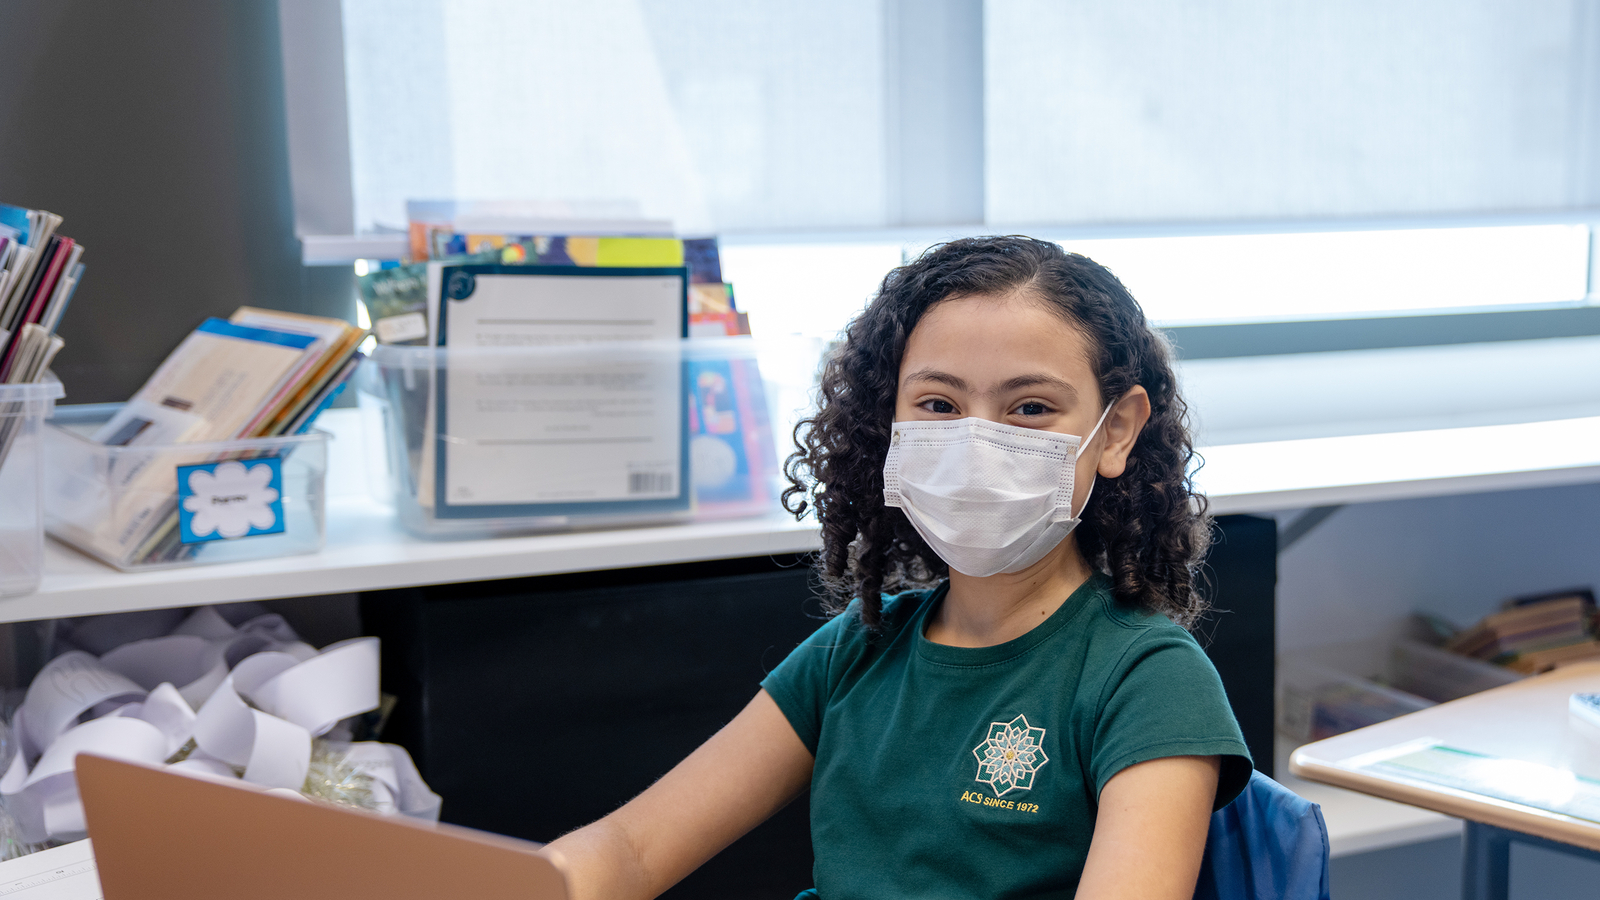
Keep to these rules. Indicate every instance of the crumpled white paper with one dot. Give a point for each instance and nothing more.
(251, 697)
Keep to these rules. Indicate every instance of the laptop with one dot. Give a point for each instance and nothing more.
(163, 836)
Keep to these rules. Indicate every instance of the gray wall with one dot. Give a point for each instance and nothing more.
(1363, 570)
(156, 129)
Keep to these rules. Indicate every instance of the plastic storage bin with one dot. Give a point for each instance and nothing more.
(1316, 702)
(1441, 676)
(480, 442)
(163, 506)
(1328, 690)
(22, 408)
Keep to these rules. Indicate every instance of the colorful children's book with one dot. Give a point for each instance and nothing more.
(39, 270)
(730, 446)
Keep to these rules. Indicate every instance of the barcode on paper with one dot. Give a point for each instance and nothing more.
(651, 483)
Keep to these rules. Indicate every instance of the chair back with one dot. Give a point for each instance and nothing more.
(1268, 844)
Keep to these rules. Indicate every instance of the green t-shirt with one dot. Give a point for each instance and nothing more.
(946, 772)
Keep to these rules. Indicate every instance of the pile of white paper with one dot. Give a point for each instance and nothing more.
(216, 699)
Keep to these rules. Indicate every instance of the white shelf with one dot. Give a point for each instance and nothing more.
(344, 249)
(1320, 429)
(1362, 468)
(366, 550)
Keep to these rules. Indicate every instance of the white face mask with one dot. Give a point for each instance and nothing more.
(988, 498)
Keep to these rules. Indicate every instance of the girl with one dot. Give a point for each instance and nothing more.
(1000, 430)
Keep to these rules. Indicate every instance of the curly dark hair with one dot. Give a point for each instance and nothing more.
(1146, 528)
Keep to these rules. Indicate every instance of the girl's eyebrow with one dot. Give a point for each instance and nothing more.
(1012, 384)
(1025, 381)
(944, 378)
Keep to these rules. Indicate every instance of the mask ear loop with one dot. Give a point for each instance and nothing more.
(1079, 455)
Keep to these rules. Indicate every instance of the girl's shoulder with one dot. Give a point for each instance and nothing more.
(1118, 635)
(1134, 621)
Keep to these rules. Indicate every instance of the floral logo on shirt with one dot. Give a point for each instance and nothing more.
(1010, 756)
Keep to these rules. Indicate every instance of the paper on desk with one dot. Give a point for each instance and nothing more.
(1528, 784)
(261, 693)
(59, 873)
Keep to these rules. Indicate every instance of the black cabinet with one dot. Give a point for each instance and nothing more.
(539, 705)
(1240, 632)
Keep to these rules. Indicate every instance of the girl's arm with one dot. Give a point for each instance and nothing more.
(1150, 832)
(746, 772)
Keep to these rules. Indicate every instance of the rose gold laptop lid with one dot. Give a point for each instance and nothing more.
(162, 836)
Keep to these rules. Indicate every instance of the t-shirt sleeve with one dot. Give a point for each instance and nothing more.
(1165, 699)
(801, 684)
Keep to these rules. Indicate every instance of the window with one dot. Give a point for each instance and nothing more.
(720, 115)
(1163, 111)
(1200, 280)
(1238, 161)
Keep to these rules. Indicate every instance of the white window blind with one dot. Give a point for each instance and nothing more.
(1164, 110)
(764, 115)
(723, 114)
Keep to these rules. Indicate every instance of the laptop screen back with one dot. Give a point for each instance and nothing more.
(161, 835)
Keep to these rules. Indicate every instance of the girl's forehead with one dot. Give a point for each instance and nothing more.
(999, 330)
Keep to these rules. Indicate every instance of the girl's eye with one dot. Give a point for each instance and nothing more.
(943, 407)
(1033, 409)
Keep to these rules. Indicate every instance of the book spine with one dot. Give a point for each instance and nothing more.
(38, 292)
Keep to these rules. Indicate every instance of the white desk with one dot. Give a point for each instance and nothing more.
(1361, 823)
(1522, 733)
(1525, 722)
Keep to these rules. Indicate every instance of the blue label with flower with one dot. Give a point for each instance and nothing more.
(225, 501)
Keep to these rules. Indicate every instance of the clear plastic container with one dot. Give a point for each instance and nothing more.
(1317, 701)
(1441, 676)
(171, 505)
(481, 442)
(22, 408)
(1327, 690)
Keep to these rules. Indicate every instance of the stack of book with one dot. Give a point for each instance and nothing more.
(398, 302)
(257, 374)
(39, 270)
(483, 275)
(442, 228)
(1534, 634)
